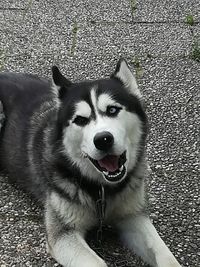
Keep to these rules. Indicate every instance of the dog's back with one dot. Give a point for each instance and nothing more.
(23, 90)
(23, 97)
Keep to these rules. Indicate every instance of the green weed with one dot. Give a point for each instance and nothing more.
(189, 20)
(195, 55)
(74, 38)
(138, 67)
(133, 4)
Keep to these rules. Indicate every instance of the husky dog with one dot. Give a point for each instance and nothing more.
(73, 144)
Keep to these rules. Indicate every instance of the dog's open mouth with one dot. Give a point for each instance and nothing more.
(112, 166)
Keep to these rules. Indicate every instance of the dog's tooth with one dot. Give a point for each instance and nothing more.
(105, 173)
(121, 168)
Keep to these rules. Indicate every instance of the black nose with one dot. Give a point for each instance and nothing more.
(103, 141)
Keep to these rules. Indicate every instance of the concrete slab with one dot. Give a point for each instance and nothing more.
(19, 204)
(81, 10)
(26, 35)
(45, 48)
(23, 243)
(166, 10)
(14, 4)
(116, 39)
(196, 30)
(171, 90)
(131, 40)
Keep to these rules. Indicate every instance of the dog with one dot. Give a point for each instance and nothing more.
(79, 148)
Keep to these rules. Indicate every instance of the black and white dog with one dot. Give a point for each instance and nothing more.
(72, 144)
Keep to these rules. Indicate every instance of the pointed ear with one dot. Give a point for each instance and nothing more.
(124, 74)
(60, 83)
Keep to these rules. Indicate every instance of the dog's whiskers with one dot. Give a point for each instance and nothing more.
(84, 155)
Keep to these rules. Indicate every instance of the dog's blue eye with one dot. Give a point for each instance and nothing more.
(113, 110)
(81, 121)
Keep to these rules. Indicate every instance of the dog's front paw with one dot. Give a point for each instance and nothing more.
(91, 263)
(167, 261)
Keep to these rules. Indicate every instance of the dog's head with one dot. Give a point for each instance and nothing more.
(102, 124)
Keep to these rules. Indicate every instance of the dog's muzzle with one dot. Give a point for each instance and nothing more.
(112, 167)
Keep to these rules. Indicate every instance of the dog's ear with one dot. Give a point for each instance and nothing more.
(60, 83)
(124, 74)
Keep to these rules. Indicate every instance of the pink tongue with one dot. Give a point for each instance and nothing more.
(110, 163)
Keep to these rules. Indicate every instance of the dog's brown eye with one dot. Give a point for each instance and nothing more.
(113, 110)
(81, 121)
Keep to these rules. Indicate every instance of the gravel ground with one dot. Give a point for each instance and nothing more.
(85, 38)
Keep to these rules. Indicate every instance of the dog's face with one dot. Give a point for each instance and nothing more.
(102, 123)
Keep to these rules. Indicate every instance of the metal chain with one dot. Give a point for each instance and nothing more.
(101, 206)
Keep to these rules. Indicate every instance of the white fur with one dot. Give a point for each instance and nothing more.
(94, 99)
(133, 202)
(140, 235)
(55, 88)
(104, 101)
(82, 109)
(80, 215)
(68, 188)
(72, 250)
(128, 79)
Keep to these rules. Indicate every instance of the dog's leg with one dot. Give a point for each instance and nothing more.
(71, 250)
(66, 244)
(141, 236)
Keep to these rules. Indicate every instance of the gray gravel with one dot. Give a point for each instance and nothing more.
(37, 34)
(165, 11)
